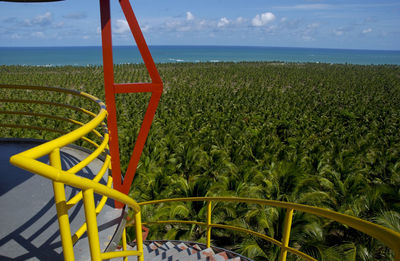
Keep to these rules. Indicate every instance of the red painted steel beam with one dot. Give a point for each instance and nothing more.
(108, 70)
(140, 141)
(111, 89)
(141, 43)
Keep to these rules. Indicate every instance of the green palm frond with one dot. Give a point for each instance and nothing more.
(389, 219)
(180, 211)
(251, 249)
(317, 198)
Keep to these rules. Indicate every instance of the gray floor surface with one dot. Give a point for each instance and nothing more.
(28, 222)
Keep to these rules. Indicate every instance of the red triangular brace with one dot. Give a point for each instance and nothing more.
(111, 89)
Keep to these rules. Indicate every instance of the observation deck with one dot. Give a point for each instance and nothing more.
(56, 193)
(28, 220)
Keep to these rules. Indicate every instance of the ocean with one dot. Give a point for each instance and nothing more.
(92, 55)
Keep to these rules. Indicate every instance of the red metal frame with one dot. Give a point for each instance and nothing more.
(112, 88)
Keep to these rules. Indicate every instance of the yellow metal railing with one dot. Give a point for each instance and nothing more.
(389, 237)
(28, 160)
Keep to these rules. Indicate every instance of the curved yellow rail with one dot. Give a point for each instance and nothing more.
(28, 160)
(389, 237)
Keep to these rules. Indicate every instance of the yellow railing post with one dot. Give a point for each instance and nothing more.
(139, 237)
(286, 233)
(92, 230)
(124, 243)
(208, 224)
(62, 210)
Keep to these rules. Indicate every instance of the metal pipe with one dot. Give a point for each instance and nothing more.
(208, 223)
(286, 234)
(91, 221)
(62, 210)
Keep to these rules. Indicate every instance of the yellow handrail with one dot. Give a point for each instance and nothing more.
(74, 200)
(389, 237)
(28, 160)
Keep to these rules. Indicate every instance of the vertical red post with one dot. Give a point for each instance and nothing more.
(108, 70)
(111, 89)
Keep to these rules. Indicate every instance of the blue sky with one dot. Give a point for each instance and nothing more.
(309, 23)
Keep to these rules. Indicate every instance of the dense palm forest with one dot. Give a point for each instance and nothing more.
(317, 134)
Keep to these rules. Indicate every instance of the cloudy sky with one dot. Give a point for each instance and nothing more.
(349, 24)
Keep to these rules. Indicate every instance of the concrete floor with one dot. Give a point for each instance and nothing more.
(28, 222)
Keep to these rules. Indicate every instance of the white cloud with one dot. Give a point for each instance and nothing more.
(263, 19)
(338, 32)
(183, 24)
(311, 29)
(59, 25)
(76, 16)
(366, 31)
(121, 26)
(313, 25)
(188, 22)
(41, 20)
(189, 16)
(145, 28)
(185, 28)
(16, 36)
(307, 38)
(38, 34)
(309, 32)
(343, 30)
(223, 22)
(178, 26)
(290, 24)
(172, 25)
(240, 20)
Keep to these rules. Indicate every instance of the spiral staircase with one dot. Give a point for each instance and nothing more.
(177, 250)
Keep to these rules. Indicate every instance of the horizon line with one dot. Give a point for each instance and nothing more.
(189, 45)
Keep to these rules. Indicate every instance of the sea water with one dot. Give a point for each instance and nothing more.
(92, 55)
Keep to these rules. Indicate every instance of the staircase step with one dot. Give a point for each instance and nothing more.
(197, 247)
(221, 256)
(179, 251)
(160, 251)
(153, 246)
(185, 252)
(206, 254)
(194, 257)
(172, 254)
